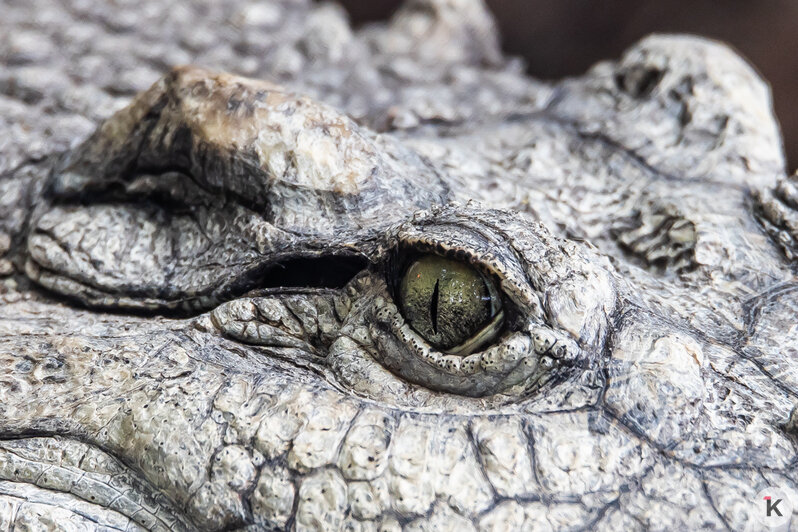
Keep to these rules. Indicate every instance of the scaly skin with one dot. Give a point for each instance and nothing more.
(199, 328)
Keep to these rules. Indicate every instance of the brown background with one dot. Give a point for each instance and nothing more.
(564, 37)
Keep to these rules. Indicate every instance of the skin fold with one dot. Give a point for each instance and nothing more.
(202, 324)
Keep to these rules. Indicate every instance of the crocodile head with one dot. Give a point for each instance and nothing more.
(562, 310)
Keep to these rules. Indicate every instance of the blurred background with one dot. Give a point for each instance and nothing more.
(564, 37)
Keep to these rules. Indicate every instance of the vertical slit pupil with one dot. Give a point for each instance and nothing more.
(434, 307)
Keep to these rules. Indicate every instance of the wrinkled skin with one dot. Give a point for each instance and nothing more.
(199, 328)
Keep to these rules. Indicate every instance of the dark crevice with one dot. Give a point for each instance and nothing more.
(287, 275)
(638, 81)
(117, 190)
(324, 271)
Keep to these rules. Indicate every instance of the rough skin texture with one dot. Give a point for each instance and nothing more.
(199, 329)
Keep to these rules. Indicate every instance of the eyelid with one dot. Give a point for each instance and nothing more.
(517, 357)
(480, 251)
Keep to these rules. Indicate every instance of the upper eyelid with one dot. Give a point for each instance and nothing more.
(476, 250)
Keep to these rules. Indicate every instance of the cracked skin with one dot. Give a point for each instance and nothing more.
(201, 329)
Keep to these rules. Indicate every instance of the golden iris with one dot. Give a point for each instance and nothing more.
(450, 304)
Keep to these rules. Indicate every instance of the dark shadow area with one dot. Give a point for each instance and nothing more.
(565, 37)
(325, 271)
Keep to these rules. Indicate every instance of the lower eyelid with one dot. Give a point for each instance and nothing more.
(515, 356)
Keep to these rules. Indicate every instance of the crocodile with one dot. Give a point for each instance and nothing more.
(332, 278)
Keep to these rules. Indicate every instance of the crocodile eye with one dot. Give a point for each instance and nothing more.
(450, 304)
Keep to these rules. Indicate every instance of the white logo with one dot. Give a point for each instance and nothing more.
(773, 508)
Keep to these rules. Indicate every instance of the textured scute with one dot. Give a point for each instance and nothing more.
(157, 374)
(774, 345)
(776, 209)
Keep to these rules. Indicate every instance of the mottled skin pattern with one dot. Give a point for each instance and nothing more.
(199, 327)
